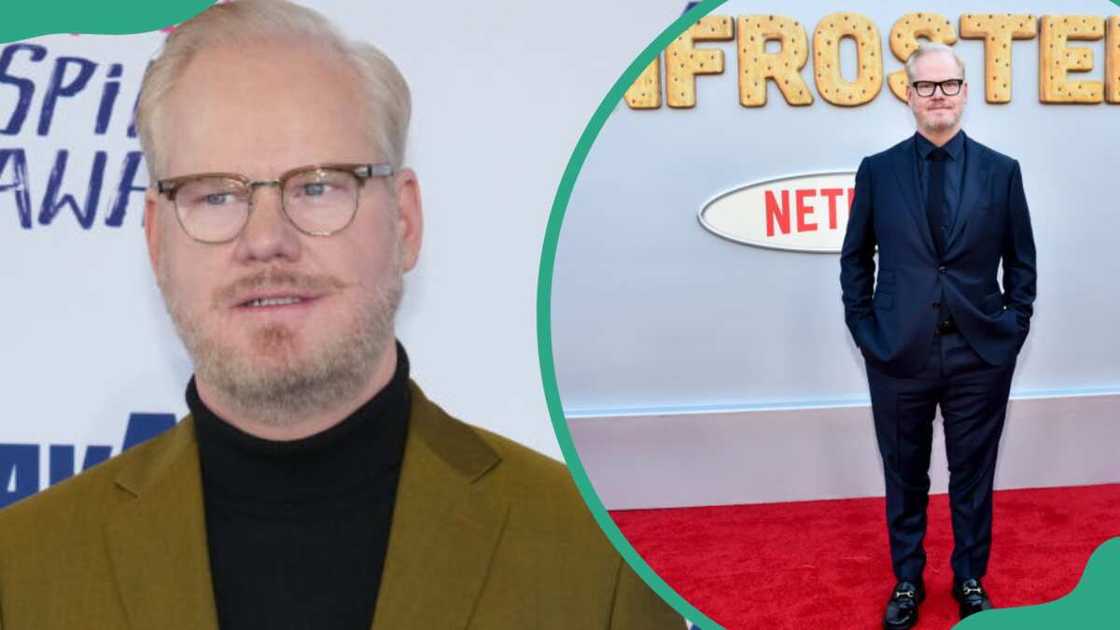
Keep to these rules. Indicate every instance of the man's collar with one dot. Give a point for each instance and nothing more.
(446, 523)
(954, 147)
(446, 527)
(346, 459)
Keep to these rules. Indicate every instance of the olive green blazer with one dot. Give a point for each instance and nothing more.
(486, 534)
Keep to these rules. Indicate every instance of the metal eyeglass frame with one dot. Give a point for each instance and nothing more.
(938, 85)
(363, 172)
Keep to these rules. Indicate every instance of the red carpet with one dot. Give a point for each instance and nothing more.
(825, 564)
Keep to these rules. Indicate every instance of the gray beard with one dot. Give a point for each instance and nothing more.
(286, 388)
(935, 127)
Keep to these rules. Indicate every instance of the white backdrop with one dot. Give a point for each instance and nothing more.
(501, 91)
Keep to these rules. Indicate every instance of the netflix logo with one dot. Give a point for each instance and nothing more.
(805, 213)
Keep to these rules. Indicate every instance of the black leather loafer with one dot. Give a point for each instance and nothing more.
(902, 607)
(971, 596)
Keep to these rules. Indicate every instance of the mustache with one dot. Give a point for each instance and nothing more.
(276, 278)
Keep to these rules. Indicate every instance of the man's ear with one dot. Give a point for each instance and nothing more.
(410, 226)
(151, 226)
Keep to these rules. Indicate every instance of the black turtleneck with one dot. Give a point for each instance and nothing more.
(297, 530)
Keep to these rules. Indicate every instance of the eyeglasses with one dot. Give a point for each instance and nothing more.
(949, 87)
(318, 200)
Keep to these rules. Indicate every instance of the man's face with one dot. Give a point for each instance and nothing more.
(937, 113)
(259, 110)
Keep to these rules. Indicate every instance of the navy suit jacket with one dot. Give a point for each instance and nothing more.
(892, 316)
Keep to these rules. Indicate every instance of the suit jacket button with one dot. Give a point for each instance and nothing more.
(941, 269)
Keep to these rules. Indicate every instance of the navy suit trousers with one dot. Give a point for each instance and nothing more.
(972, 395)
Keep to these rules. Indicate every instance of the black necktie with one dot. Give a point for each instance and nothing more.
(935, 198)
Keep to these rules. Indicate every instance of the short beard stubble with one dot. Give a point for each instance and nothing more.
(283, 388)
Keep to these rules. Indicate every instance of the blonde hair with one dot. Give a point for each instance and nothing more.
(387, 97)
(926, 48)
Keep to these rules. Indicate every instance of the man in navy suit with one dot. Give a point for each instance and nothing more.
(934, 326)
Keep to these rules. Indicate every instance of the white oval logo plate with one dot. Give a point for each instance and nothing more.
(804, 213)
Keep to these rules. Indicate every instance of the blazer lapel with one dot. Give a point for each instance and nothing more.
(906, 172)
(157, 539)
(446, 525)
(977, 170)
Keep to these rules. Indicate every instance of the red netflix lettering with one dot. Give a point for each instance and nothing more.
(804, 210)
(832, 194)
(774, 212)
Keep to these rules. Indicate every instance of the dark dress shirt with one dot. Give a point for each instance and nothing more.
(954, 174)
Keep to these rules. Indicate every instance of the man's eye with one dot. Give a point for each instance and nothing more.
(313, 190)
(217, 199)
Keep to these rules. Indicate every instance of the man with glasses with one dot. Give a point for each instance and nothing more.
(942, 213)
(313, 485)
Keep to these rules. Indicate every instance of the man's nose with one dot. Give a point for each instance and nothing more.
(268, 234)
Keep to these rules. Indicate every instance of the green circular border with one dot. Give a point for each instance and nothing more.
(25, 19)
(1071, 608)
(544, 311)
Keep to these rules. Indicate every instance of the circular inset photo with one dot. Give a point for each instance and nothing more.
(827, 311)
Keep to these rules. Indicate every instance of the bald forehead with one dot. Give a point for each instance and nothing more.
(261, 104)
(937, 62)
